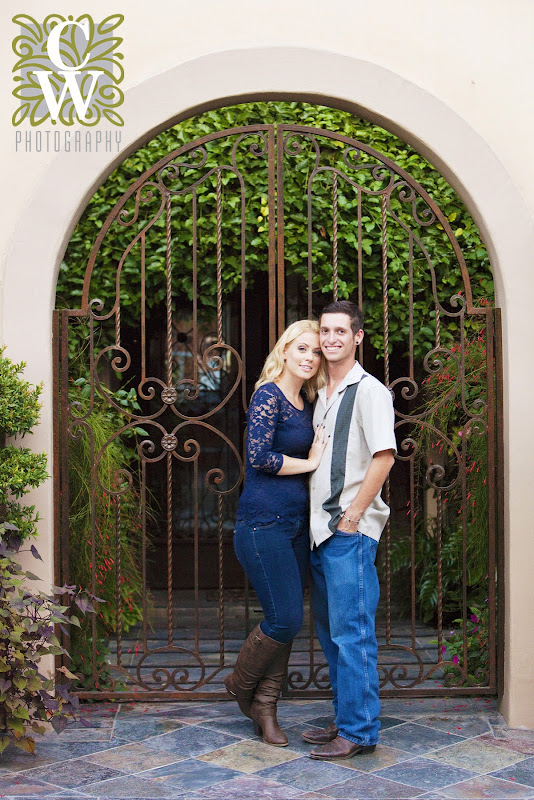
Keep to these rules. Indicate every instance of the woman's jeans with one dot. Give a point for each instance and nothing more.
(345, 592)
(275, 557)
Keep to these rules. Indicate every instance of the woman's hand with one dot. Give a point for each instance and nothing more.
(320, 440)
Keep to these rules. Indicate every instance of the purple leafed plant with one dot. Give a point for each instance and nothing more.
(29, 623)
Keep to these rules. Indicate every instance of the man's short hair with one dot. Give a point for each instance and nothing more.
(347, 307)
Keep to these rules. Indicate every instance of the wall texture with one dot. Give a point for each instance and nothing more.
(454, 80)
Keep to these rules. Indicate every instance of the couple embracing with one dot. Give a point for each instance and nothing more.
(331, 522)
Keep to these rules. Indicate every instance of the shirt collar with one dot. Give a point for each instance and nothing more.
(354, 375)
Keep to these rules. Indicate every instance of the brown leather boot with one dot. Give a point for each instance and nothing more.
(253, 660)
(321, 735)
(263, 709)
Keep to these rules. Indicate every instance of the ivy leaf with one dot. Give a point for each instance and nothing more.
(59, 723)
(35, 552)
(67, 673)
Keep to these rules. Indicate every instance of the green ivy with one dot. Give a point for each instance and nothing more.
(298, 168)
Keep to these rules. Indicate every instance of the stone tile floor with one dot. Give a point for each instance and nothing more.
(431, 748)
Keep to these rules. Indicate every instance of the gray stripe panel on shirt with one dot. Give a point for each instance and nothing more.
(339, 454)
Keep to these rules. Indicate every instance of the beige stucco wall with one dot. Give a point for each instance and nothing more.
(455, 79)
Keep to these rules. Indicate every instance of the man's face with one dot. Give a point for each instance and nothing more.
(336, 338)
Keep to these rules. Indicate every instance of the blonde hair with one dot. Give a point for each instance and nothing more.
(274, 363)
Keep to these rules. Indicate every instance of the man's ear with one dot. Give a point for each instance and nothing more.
(359, 337)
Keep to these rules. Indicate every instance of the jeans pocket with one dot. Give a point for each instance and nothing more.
(264, 526)
(337, 532)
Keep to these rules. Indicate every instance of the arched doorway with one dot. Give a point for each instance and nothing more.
(193, 367)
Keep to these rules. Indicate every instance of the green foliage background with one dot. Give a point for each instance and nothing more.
(297, 171)
(20, 468)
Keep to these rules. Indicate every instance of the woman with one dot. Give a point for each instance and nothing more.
(271, 534)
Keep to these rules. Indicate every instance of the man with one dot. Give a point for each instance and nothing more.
(347, 519)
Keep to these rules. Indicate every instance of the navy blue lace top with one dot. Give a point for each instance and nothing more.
(275, 428)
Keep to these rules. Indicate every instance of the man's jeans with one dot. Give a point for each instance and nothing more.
(345, 594)
(275, 558)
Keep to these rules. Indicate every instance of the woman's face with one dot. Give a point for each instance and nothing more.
(302, 357)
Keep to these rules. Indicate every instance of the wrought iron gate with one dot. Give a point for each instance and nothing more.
(189, 363)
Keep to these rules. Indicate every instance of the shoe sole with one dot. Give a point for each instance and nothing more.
(364, 751)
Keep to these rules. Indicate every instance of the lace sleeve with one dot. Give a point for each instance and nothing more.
(262, 420)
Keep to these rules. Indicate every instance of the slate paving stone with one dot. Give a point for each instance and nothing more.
(477, 755)
(249, 756)
(416, 739)
(190, 741)
(303, 713)
(17, 785)
(190, 775)
(246, 787)
(97, 713)
(423, 773)
(50, 752)
(369, 787)
(306, 774)
(522, 772)
(514, 739)
(160, 738)
(389, 722)
(70, 774)
(436, 705)
(465, 726)
(96, 734)
(485, 786)
(136, 757)
(153, 708)
(238, 726)
(131, 788)
(136, 729)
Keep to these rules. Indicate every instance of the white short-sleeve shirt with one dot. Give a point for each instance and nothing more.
(359, 420)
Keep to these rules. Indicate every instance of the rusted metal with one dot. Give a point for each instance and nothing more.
(56, 351)
(191, 384)
(334, 237)
(385, 299)
(280, 287)
(492, 499)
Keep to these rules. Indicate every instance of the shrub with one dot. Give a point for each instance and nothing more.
(20, 468)
(27, 634)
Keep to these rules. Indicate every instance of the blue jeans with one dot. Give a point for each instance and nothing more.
(345, 594)
(275, 557)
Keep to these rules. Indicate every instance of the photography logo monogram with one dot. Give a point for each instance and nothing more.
(68, 70)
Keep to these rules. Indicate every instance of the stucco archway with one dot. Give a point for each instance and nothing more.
(364, 88)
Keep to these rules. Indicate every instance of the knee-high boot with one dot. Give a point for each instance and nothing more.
(253, 660)
(263, 708)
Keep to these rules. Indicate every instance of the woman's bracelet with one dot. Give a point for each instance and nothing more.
(353, 521)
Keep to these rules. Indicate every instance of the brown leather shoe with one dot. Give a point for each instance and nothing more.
(340, 748)
(320, 735)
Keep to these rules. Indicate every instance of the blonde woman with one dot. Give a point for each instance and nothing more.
(271, 538)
